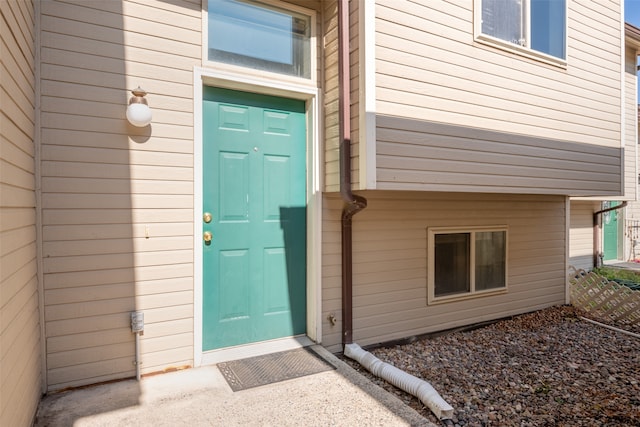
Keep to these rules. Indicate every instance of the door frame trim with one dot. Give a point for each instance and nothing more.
(311, 95)
(620, 240)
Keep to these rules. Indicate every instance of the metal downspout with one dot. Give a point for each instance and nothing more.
(596, 232)
(353, 203)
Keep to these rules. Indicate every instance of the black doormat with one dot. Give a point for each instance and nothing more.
(272, 368)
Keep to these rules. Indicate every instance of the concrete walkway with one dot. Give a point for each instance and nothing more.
(202, 397)
(623, 264)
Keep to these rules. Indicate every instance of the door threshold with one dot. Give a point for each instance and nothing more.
(255, 349)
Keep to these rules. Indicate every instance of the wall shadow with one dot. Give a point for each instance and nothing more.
(293, 221)
(89, 233)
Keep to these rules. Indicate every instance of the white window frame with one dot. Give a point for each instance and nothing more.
(525, 51)
(432, 232)
(263, 74)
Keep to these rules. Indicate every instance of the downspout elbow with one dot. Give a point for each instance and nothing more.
(353, 206)
(353, 202)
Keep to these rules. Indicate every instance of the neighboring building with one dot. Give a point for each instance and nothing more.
(613, 236)
(631, 225)
(221, 221)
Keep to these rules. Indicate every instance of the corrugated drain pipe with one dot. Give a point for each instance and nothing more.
(597, 255)
(353, 202)
(399, 378)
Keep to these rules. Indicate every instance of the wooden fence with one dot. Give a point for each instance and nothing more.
(603, 299)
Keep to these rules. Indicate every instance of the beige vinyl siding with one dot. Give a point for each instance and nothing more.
(355, 81)
(20, 345)
(117, 201)
(632, 211)
(332, 95)
(581, 233)
(631, 130)
(632, 231)
(431, 74)
(390, 261)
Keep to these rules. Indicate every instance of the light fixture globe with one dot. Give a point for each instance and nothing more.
(139, 115)
(138, 111)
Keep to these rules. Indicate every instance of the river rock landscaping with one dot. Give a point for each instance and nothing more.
(547, 368)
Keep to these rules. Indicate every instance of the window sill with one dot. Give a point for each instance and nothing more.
(462, 297)
(521, 51)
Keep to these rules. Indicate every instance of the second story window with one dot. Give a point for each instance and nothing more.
(539, 25)
(259, 36)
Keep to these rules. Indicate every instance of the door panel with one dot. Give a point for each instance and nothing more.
(234, 172)
(254, 185)
(610, 232)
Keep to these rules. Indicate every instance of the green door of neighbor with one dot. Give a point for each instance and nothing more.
(254, 187)
(610, 232)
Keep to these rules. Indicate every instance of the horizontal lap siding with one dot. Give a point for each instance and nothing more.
(631, 130)
(332, 95)
(632, 231)
(331, 271)
(429, 70)
(355, 68)
(632, 211)
(117, 200)
(390, 261)
(581, 233)
(20, 346)
(428, 155)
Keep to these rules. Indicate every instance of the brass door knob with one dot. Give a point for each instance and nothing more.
(207, 217)
(207, 236)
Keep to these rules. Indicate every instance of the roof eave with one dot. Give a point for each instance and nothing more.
(632, 36)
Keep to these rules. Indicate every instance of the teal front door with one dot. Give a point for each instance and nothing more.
(254, 192)
(610, 232)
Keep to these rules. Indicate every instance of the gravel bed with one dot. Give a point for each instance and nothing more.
(547, 368)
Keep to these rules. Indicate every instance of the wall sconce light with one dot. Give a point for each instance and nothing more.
(138, 111)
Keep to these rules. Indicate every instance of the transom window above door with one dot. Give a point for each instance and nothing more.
(259, 36)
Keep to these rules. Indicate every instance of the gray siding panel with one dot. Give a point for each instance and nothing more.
(432, 156)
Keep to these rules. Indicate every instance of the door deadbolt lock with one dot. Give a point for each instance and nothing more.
(207, 237)
(207, 217)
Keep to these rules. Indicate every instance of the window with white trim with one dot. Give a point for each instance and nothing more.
(535, 25)
(259, 36)
(466, 262)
